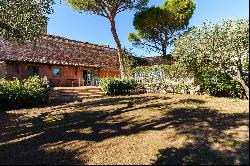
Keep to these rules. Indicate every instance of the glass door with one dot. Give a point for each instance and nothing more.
(88, 77)
(91, 77)
(96, 77)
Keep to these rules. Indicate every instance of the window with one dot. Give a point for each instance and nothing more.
(56, 72)
(33, 71)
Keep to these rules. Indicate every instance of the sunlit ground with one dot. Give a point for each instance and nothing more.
(136, 129)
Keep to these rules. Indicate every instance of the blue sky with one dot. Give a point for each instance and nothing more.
(96, 29)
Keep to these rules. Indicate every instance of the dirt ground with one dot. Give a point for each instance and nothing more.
(136, 129)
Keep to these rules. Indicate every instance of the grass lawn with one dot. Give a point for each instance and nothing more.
(136, 129)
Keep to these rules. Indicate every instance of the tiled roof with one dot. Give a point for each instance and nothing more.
(156, 60)
(59, 50)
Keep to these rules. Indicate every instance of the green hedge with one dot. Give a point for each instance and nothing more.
(116, 86)
(26, 92)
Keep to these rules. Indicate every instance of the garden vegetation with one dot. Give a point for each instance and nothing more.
(24, 20)
(221, 47)
(117, 86)
(19, 93)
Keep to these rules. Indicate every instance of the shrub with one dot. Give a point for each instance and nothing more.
(116, 86)
(16, 93)
(218, 84)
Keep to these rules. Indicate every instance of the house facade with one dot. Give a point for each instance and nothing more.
(63, 61)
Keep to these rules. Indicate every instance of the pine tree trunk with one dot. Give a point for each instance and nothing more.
(118, 45)
(164, 51)
(164, 46)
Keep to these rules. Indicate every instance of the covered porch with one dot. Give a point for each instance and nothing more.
(78, 76)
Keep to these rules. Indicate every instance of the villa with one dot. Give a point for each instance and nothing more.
(63, 61)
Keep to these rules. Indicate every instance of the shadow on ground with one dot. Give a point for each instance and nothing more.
(22, 140)
(207, 129)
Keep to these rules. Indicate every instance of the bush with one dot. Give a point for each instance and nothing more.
(218, 84)
(27, 92)
(116, 86)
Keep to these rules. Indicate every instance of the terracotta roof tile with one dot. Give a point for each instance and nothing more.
(156, 60)
(59, 50)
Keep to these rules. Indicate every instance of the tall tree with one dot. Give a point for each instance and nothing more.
(222, 46)
(109, 9)
(24, 19)
(157, 27)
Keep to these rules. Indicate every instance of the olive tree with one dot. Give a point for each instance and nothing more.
(24, 19)
(223, 46)
(109, 9)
